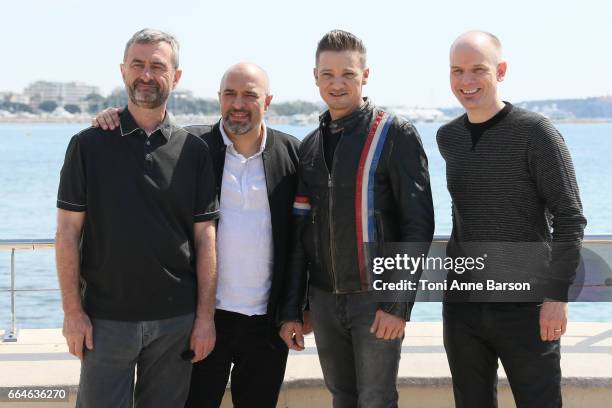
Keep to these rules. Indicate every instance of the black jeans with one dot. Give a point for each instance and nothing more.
(259, 356)
(359, 369)
(477, 334)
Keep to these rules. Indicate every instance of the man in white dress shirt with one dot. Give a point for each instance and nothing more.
(256, 168)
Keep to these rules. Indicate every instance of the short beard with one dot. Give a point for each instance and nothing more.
(237, 128)
(152, 100)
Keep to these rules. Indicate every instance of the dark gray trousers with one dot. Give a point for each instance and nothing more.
(359, 369)
(152, 348)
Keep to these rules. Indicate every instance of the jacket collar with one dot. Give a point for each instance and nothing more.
(348, 121)
(127, 124)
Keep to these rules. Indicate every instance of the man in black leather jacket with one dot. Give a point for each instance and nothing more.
(363, 179)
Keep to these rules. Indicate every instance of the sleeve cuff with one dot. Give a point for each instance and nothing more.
(290, 316)
(399, 309)
(554, 290)
(68, 206)
(206, 216)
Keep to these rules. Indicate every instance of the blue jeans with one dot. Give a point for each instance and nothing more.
(359, 369)
(152, 348)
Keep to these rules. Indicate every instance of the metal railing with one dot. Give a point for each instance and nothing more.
(11, 334)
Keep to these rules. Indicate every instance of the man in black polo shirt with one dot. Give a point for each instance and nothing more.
(512, 182)
(136, 243)
(256, 170)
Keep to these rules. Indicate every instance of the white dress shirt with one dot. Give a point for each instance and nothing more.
(244, 235)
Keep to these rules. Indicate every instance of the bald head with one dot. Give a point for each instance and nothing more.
(480, 41)
(244, 96)
(246, 72)
(476, 67)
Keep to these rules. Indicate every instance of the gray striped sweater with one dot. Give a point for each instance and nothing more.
(516, 186)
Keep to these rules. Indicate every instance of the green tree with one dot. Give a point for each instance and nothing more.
(117, 99)
(71, 108)
(95, 102)
(47, 106)
(15, 107)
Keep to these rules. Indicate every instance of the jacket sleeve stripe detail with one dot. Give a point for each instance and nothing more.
(301, 205)
(364, 197)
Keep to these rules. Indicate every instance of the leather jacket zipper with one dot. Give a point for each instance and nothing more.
(330, 190)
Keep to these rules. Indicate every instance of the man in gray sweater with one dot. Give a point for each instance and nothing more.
(513, 187)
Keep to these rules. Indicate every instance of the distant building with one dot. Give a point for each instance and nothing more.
(552, 111)
(64, 93)
(419, 114)
(177, 98)
(14, 98)
(182, 94)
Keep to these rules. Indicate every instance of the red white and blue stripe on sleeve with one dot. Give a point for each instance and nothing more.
(364, 197)
(301, 205)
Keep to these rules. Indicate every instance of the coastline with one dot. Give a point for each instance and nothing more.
(205, 119)
(210, 119)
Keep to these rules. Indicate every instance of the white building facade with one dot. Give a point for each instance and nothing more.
(64, 93)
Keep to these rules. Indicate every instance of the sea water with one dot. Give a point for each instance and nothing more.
(31, 156)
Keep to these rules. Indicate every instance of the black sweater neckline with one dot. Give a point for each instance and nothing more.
(477, 129)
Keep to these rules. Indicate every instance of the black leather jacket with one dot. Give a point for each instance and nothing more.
(376, 191)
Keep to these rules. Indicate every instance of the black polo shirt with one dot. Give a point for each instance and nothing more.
(142, 196)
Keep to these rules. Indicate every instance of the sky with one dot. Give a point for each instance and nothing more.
(554, 49)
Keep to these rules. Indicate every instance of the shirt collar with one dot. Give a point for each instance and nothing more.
(230, 144)
(127, 124)
(325, 118)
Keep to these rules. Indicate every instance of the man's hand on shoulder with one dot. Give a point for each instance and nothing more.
(108, 119)
(203, 337)
(78, 331)
(293, 335)
(387, 326)
(553, 320)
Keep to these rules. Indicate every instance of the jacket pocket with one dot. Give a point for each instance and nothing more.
(310, 239)
(380, 232)
(315, 235)
(380, 228)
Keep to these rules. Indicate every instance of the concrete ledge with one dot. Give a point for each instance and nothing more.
(585, 382)
(40, 359)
